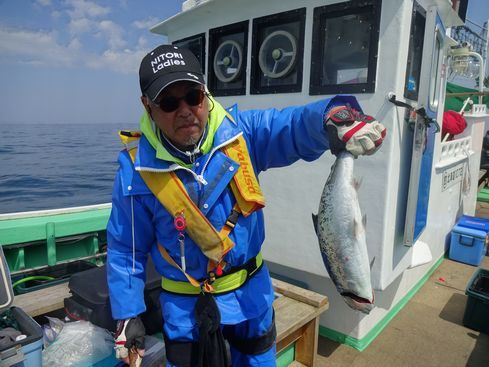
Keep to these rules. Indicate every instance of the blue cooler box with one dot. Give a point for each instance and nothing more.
(474, 223)
(469, 238)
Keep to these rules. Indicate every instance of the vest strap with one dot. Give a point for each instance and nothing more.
(169, 190)
(212, 265)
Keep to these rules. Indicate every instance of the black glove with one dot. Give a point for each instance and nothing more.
(350, 130)
(129, 335)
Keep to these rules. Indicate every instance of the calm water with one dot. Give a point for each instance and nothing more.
(49, 166)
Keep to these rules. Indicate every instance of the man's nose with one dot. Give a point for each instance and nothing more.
(184, 109)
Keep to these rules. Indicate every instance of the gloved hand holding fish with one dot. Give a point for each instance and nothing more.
(339, 224)
(351, 130)
(129, 341)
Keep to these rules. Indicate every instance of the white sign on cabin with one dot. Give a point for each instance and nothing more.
(452, 176)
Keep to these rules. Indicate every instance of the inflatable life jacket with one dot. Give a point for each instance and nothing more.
(170, 191)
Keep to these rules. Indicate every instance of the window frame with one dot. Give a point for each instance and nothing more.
(202, 48)
(321, 15)
(214, 35)
(276, 20)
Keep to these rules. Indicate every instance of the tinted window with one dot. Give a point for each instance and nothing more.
(415, 53)
(344, 50)
(196, 44)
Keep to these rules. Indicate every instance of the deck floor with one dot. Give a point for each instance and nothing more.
(427, 332)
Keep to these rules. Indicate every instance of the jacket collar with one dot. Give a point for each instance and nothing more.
(146, 158)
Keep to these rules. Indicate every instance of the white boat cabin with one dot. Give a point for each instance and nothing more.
(262, 54)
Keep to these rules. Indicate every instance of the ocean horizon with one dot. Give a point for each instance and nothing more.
(55, 165)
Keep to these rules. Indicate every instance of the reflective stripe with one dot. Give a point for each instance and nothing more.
(224, 284)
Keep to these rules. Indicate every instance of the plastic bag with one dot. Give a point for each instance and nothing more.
(79, 344)
(51, 331)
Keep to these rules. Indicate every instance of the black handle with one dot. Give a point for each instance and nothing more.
(420, 111)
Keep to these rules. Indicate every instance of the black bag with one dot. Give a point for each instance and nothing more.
(90, 299)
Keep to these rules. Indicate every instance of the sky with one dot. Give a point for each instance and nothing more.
(76, 61)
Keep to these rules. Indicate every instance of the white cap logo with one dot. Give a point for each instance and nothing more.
(166, 59)
(193, 76)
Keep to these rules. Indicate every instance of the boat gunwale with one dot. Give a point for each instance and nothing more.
(48, 212)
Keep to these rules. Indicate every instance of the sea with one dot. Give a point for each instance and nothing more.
(50, 166)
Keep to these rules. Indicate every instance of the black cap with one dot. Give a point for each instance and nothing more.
(165, 65)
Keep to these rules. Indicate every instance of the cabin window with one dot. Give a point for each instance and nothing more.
(227, 59)
(344, 48)
(415, 53)
(196, 44)
(277, 52)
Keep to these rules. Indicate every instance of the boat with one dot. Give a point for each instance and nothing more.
(394, 56)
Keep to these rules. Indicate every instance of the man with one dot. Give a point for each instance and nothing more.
(187, 193)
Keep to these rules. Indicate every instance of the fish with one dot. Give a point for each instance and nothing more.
(340, 229)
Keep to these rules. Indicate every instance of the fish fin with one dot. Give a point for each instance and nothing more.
(356, 183)
(372, 263)
(357, 228)
(315, 222)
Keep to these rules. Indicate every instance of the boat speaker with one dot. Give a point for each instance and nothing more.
(278, 54)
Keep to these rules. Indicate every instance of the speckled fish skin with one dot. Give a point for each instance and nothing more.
(341, 233)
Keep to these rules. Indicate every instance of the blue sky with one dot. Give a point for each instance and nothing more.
(76, 61)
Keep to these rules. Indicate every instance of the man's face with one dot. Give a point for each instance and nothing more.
(185, 125)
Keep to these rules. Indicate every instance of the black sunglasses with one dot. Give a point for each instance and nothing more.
(194, 97)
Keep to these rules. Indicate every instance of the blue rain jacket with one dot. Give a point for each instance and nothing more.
(138, 221)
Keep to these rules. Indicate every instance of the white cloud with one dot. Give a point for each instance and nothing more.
(88, 9)
(39, 48)
(146, 23)
(113, 33)
(44, 2)
(125, 61)
(90, 30)
(42, 49)
(142, 42)
(75, 44)
(80, 26)
(83, 15)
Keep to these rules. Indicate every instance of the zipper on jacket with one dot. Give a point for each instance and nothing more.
(198, 177)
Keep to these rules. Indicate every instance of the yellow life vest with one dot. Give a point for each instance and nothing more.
(170, 191)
